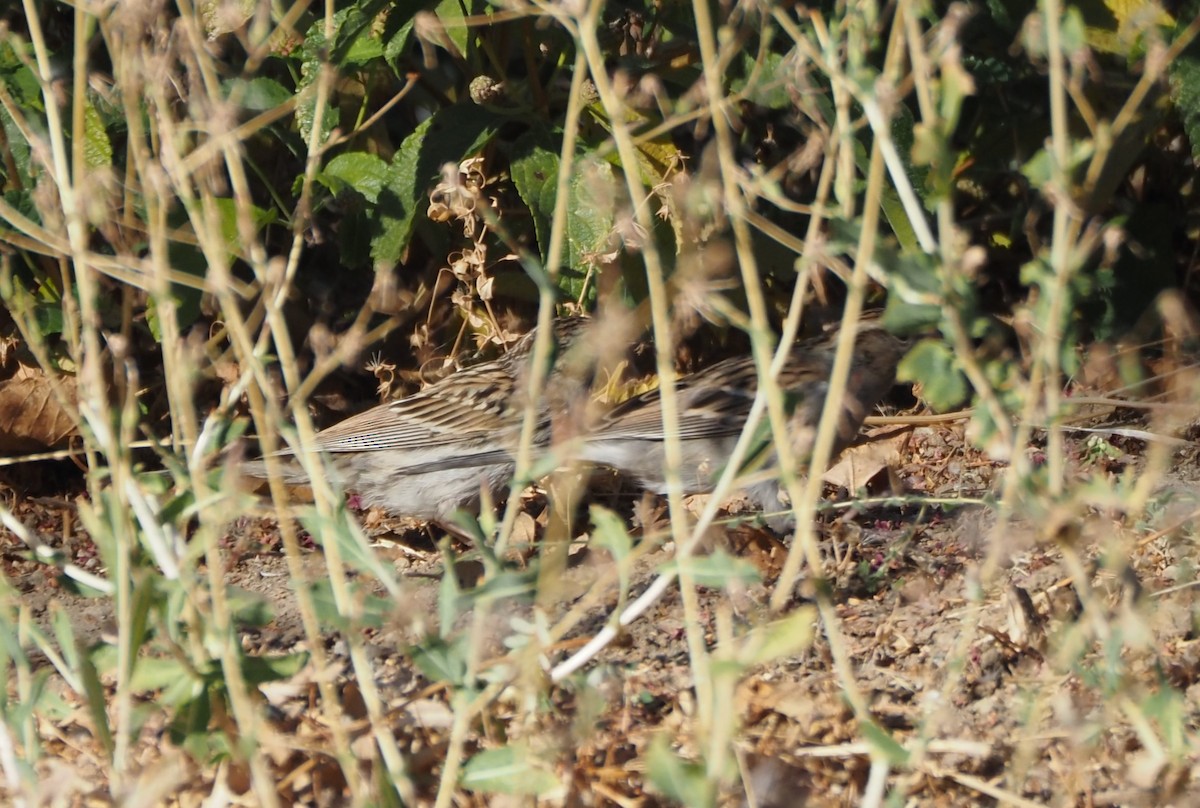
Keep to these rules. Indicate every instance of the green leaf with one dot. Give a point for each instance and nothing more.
(306, 110)
(397, 30)
(228, 212)
(590, 215)
(781, 638)
(718, 570)
(64, 635)
(190, 727)
(1121, 294)
(452, 14)
(1168, 707)
(185, 300)
(534, 170)
(259, 670)
(356, 42)
(372, 610)
(351, 544)
(509, 770)
(506, 584)
(257, 94)
(450, 596)
(23, 86)
(1039, 169)
(442, 660)
(900, 317)
(249, 608)
(188, 258)
(450, 135)
(49, 318)
(163, 673)
(889, 199)
(97, 702)
(933, 365)
(676, 778)
(365, 173)
(916, 285)
(1184, 75)
(609, 533)
(20, 79)
(97, 148)
(884, 745)
(770, 87)
(11, 650)
(897, 216)
(313, 54)
(655, 157)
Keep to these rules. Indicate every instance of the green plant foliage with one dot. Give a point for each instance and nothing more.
(511, 769)
(262, 669)
(371, 611)
(262, 183)
(534, 167)
(506, 584)
(781, 638)
(442, 660)
(1184, 74)
(884, 745)
(257, 94)
(679, 780)
(351, 544)
(448, 136)
(97, 150)
(719, 570)
(21, 84)
(360, 172)
(932, 364)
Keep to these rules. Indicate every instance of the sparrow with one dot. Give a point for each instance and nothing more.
(432, 454)
(714, 405)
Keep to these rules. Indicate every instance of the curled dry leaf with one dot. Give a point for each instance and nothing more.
(860, 463)
(31, 416)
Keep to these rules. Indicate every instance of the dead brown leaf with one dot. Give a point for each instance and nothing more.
(760, 547)
(859, 464)
(31, 416)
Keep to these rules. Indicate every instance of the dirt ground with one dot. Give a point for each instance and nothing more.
(1006, 678)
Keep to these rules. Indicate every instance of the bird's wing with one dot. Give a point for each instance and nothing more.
(713, 403)
(716, 402)
(465, 407)
(459, 460)
(472, 408)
